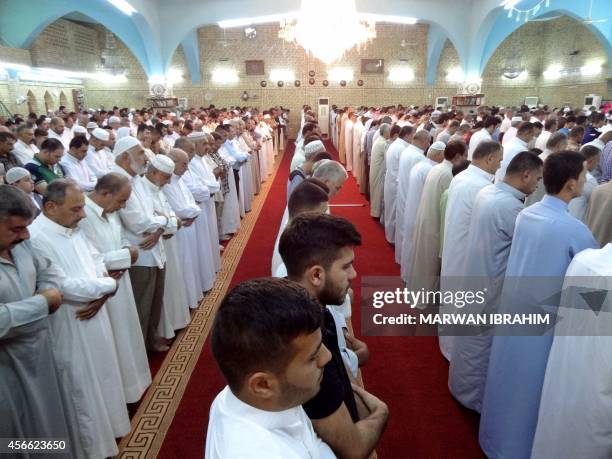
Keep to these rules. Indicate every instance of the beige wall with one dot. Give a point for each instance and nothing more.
(68, 45)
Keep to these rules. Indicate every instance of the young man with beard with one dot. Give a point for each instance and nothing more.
(317, 250)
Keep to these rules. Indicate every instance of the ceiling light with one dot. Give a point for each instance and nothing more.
(390, 19)
(227, 24)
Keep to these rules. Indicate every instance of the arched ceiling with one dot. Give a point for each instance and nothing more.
(475, 28)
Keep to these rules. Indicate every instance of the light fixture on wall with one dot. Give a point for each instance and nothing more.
(174, 75)
(591, 68)
(401, 74)
(340, 73)
(123, 6)
(552, 72)
(282, 75)
(328, 36)
(225, 76)
(455, 75)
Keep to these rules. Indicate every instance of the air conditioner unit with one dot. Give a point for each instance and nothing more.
(324, 115)
(592, 100)
(531, 101)
(441, 102)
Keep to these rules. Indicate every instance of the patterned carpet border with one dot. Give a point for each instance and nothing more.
(156, 412)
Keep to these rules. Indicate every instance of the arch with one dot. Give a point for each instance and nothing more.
(21, 22)
(49, 103)
(63, 100)
(32, 102)
(496, 27)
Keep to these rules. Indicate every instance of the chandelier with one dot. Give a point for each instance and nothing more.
(328, 29)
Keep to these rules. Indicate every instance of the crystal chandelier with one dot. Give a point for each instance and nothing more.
(328, 29)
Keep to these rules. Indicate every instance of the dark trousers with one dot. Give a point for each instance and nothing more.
(237, 177)
(148, 286)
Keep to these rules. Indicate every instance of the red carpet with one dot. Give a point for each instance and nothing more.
(408, 373)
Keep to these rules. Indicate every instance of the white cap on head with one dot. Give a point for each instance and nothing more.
(15, 174)
(266, 117)
(587, 113)
(47, 119)
(438, 145)
(516, 119)
(92, 125)
(101, 134)
(79, 129)
(163, 164)
(123, 132)
(114, 119)
(566, 109)
(167, 122)
(314, 147)
(605, 128)
(124, 144)
(197, 135)
(436, 113)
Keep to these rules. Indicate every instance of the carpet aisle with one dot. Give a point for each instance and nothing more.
(408, 373)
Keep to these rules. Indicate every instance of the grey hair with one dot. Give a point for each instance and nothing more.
(183, 142)
(555, 140)
(111, 182)
(15, 203)
(384, 128)
(328, 169)
(56, 190)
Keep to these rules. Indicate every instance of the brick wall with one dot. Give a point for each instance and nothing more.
(73, 46)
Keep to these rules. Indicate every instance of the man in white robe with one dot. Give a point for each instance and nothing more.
(515, 145)
(578, 206)
(550, 127)
(75, 165)
(413, 154)
(512, 130)
(229, 221)
(574, 415)
(348, 142)
(461, 196)
(81, 331)
(104, 232)
(418, 175)
(23, 149)
(378, 169)
(392, 160)
(30, 393)
(57, 130)
(488, 245)
(491, 123)
(357, 133)
(97, 159)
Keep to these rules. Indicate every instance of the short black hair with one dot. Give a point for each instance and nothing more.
(486, 148)
(306, 196)
(524, 128)
(461, 166)
(524, 161)
(491, 121)
(15, 203)
(406, 130)
(313, 239)
(454, 148)
(561, 167)
(589, 151)
(256, 324)
(51, 145)
(78, 141)
(395, 130)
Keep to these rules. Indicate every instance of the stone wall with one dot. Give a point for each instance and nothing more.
(75, 46)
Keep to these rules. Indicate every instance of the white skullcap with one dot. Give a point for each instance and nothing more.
(171, 114)
(114, 119)
(92, 125)
(197, 135)
(101, 134)
(266, 117)
(124, 144)
(314, 147)
(566, 109)
(602, 130)
(516, 119)
(167, 122)
(47, 119)
(436, 113)
(15, 174)
(163, 164)
(79, 129)
(587, 113)
(123, 132)
(439, 145)
(413, 112)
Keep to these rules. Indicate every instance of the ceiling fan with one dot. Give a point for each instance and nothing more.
(589, 19)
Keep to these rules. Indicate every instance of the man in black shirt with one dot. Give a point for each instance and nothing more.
(317, 250)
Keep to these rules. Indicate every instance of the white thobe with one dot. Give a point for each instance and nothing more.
(65, 137)
(418, 174)
(185, 207)
(79, 172)
(298, 157)
(348, 144)
(509, 135)
(230, 217)
(462, 193)
(578, 206)
(84, 350)
(23, 152)
(512, 148)
(357, 132)
(477, 137)
(105, 233)
(574, 419)
(542, 139)
(392, 160)
(98, 161)
(411, 156)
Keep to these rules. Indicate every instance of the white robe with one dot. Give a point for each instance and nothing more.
(461, 196)
(578, 206)
(478, 137)
(392, 161)
(184, 206)
(24, 153)
(84, 350)
(511, 148)
(357, 132)
(98, 161)
(418, 175)
(575, 417)
(105, 234)
(408, 159)
(348, 144)
(79, 172)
